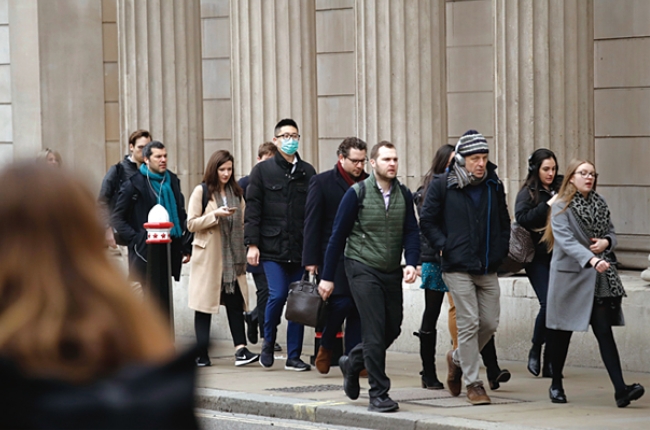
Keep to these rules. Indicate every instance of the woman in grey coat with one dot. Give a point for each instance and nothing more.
(584, 286)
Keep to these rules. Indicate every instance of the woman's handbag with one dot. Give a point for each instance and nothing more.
(521, 251)
(304, 304)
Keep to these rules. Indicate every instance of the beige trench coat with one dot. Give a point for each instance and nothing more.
(204, 289)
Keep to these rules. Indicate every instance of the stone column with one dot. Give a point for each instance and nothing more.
(160, 79)
(401, 79)
(57, 83)
(544, 83)
(273, 73)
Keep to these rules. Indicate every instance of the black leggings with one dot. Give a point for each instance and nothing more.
(234, 304)
(433, 302)
(602, 328)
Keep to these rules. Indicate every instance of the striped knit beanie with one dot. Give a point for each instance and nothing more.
(472, 142)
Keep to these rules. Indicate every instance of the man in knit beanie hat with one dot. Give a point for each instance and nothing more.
(465, 216)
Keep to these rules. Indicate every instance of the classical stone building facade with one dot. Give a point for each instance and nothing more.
(202, 75)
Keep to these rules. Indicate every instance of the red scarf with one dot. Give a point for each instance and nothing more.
(346, 176)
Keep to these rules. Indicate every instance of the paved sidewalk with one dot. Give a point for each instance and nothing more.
(520, 403)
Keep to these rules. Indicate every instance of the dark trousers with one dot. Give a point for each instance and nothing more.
(340, 308)
(602, 327)
(234, 304)
(378, 296)
(538, 274)
(279, 276)
(262, 292)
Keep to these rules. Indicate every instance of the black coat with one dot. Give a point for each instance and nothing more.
(243, 183)
(138, 396)
(533, 217)
(275, 208)
(131, 211)
(325, 193)
(427, 253)
(472, 239)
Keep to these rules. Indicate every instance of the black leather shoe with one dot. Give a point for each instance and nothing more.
(350, 378)
(631, 393)
(503, 376)
(557, 395)
(383, 404)
(534, 360)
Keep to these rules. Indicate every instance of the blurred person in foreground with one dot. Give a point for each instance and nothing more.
(77, 349)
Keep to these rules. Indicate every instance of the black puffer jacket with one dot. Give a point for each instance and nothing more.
(533, 216)
(472, 239)
(275, 208)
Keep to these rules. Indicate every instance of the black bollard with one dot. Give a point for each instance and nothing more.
(159, 276)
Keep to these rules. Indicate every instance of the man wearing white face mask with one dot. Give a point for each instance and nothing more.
(273, 232)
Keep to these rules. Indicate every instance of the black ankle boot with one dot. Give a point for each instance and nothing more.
(535, 359)
(428, 355)
(547, 369)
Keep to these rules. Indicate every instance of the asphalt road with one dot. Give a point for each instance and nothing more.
(211, 420)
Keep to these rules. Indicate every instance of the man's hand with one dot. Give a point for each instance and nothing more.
(325, 289)
(313, 269)
(186, 258)
(110, 238)
(253, 255)
(598, 245)
(410, 274)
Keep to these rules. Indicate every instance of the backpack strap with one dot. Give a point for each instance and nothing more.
(206, 196)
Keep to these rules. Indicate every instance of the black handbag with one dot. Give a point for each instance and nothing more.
(304, 304)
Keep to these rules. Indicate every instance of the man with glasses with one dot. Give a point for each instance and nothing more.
(273, 232)
(325, 193)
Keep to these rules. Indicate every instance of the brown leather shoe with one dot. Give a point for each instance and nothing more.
(454, 375)
(323, 360)
(363, 374)
(476, 395)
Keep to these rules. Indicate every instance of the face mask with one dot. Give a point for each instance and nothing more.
(289, 146)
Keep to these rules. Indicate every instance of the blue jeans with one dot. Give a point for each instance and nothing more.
(279, 276)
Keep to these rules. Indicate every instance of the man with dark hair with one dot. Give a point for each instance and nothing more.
(255, 318)
(325, 193)
(153, 184)
(375, 222)
(465, 216)
(115, 177)
(275, 214)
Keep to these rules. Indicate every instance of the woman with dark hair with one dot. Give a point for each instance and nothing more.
(432, 283)
(72, 333)
(218, 272)
(584, 285)
(531, 212)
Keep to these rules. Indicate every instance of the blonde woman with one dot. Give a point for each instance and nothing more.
(72, 334)
(584, 286)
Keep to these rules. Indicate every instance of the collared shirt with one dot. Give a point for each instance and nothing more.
(386, 195)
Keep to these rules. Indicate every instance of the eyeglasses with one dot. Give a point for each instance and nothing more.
(585, 174)
(289, 136)
(357, 162)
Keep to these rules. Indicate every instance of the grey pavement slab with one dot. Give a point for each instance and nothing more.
(520, 403)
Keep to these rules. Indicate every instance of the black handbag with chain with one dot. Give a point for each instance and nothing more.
(304, 304)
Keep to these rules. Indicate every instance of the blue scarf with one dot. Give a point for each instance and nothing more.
(162, 188)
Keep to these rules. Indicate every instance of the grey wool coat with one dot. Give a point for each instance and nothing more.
(572, 281)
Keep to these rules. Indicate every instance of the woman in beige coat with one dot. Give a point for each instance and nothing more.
(218, 271)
